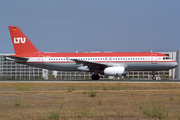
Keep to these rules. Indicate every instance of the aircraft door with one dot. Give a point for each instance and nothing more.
(153, 59)
(40, 59)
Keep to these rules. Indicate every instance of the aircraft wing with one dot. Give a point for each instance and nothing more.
(17, 59)
(90, 63)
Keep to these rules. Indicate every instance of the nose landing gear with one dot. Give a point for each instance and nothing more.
(154, 77)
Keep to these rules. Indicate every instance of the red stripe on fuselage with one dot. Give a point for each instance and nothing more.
(102, 61)
(125, 54)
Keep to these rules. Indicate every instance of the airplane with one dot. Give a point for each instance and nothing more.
(107, 63)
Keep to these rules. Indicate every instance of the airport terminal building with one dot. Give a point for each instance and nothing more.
(12, 70)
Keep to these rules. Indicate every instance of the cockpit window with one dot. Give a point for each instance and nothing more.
(166, 58)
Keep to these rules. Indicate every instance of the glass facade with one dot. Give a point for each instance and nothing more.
(12, 70)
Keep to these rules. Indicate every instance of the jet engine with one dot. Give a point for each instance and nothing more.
(114, 71)
(83, 68)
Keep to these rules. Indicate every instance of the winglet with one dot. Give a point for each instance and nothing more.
(20, 42)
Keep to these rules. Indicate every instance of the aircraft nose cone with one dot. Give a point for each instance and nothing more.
(175, 64)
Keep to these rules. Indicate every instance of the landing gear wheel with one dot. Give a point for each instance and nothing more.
(95, 77)
(154, 78)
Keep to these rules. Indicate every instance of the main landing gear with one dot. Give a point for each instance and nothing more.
(154, 78)
(95, 77)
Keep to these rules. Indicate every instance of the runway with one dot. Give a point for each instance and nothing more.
(90, 81)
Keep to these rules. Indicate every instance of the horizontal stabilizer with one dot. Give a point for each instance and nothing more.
(17, 59)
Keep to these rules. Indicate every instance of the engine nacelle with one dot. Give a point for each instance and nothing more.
(114, 71)
(83, 68)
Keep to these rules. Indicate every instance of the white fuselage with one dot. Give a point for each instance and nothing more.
(130, 63)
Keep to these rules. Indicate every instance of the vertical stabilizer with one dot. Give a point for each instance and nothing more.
(20, 42)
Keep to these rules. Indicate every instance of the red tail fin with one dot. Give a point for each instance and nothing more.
(20, 42)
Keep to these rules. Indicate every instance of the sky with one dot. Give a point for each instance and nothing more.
(93, 25)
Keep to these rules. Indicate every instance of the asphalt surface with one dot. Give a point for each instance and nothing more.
(91, 81)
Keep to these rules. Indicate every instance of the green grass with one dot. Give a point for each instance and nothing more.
(171, 98)
(85, 112)
(154, 109)
(54, 116)
(22, 88)
(92, 93)
(113, 88)
(118, 87)
(178, 115)
(104, 87)
(17, 103)
(99, 102)
(82, 114)
(71, 88)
